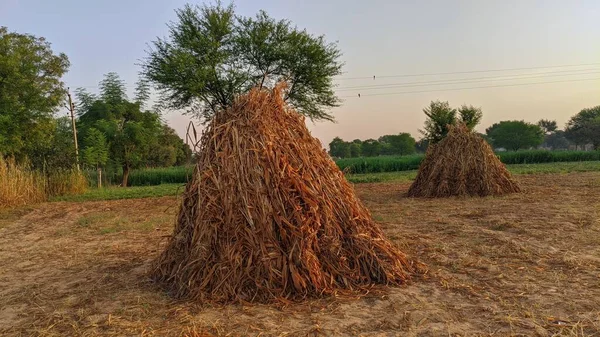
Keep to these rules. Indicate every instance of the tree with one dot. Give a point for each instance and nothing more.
(470, 115)
(515, 135)
(130, 132)
(421, 145)
(169, 149)
(95, 152)
(355, 149)
(556, 140)
(213, 55)
(547, 126)
(371, 148)
(31, 91)
(401, 144)
(439, 116)
(584, 127)
(339, 148)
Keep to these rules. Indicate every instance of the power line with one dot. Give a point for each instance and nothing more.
(463, 81)
(468, 88)
(467, 72)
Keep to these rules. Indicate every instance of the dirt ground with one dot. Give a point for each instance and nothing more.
(523, 265)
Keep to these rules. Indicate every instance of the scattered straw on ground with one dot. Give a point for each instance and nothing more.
(268, 215)
(461, 164)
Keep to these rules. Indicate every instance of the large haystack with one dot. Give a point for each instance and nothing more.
(268, 215)
(461, 164)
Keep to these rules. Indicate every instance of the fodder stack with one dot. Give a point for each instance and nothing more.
(461, 164)
(268, 215)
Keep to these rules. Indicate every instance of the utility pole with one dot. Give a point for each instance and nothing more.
(72, 109)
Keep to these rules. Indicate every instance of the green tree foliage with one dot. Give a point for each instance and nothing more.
(338, 148)
(439, 116)
(31, 91)
(548, 126)
(556, 140)
(95, 152)
(515, 135)
(130, 132)
(371, 148)
(212, 55)
(401, 144)
(170, 149)
(470, 115)
(355, 149)
(584, 127)
(422, 145)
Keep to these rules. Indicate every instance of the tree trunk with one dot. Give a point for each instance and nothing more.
(125, 175)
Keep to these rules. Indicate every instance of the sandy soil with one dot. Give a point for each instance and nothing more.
(522, 265)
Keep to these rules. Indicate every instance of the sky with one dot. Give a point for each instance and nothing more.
(554, 43)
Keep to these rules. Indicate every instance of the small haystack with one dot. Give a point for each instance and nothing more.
(461, 164)
(268, 215)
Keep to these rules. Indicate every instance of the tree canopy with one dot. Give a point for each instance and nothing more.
(584, 127)
(440, 115)
(515, 135)
(212, 55)
(31, 91)
(130, 132)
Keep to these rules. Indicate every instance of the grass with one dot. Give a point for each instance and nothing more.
(114, 193)
(137, 192)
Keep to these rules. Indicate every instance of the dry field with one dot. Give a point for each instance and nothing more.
(522, 265)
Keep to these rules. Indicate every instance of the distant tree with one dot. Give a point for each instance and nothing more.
(212, 55)
(355, 149)
(371, 148)
(556, 140)
(548, 126)
(439, 116)
(421, 145)
(95, 153)
(515, 135)
(401, 144)
(169, 149)
(130, 132)
(339, 148)
(470, 115)
(584, 127)
(31, 91)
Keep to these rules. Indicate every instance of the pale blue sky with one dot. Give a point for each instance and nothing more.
(379, 38)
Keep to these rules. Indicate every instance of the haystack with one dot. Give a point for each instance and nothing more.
(461, 164)
(268, 215)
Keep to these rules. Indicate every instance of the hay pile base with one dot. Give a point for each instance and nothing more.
(268, 215)
(462, 164)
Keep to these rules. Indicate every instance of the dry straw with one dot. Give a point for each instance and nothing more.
(462, 164)
(19, 185)
(269, 216)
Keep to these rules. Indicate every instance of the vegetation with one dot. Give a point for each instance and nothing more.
(440, 115)
(515, 135)
(134, 137)
(400, 144)
(404, 163)
(544, 168)
(212, 55)
(21, 185)
(114, 193)
(31, 91)
(584, 127)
